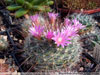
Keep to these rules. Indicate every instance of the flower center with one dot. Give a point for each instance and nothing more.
(34, 30)
(59, 39)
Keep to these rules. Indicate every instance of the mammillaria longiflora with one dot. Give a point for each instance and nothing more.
(52, 45)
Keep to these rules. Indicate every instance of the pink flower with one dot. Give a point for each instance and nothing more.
(67, 22)
(61, 39)
(49, 35)
(52, 17)
(70, 31)
(36, 31)
(35, 18)
(75, 21)
(77, 24)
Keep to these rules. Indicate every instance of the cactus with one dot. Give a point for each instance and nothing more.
(23, 7)
(86, 20)
(48, 57)
(46, 52)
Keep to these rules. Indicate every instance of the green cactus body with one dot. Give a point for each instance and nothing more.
(50, 57)
(86, 20)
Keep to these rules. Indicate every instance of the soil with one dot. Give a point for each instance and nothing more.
(81, 4)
